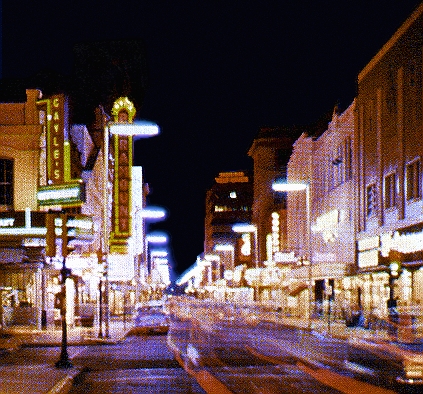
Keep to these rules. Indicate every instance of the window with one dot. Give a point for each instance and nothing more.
(413, 178)
(340, 164)
(371, 208)
(6, 183)
(390, 191)
(348, 158)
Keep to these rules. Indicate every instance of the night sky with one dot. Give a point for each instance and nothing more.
(217, 71)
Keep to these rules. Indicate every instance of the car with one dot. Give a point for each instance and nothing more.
(398, 362)
(150, 319)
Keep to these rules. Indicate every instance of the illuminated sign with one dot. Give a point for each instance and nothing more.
(65, 195)
(121, 217)
(55, 135)
(32, 226)
(368, 252)
(285, 257)
(246, 244)
(368, 243)
(327, 221)
(123, 112)
(368, 258)
(7, 222)
(404, 243)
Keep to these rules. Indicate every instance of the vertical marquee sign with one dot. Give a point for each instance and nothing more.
(55, 138)
(56, 186)
(123, 111)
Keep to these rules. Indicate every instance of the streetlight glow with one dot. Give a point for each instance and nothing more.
(140, 129)
(244, 228)
(288, 187)
(156, 238)
(153, 213)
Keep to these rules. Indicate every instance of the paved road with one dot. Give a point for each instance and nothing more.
(220, 357)
(269, 358)
(223, 353)
(140, 364)
(136, 365)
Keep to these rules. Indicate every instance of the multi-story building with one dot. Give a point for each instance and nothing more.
(324, 243)
(389, 190)
(228, 201)
(270, 151)
(49, 165)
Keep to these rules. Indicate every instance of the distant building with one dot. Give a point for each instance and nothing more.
(270, 151)
(228, 201)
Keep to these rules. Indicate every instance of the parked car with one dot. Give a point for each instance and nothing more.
(150, 319)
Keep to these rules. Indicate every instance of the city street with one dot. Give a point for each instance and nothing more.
(266, 356)
(135, 365)
(205, 351)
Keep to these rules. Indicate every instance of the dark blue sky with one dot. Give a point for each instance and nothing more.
(218, 70)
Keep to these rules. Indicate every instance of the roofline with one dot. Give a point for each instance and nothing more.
(397, 35)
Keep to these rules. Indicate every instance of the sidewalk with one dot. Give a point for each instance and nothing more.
(338, 329)
(46, 378)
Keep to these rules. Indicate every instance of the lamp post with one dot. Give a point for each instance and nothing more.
(250, 228)
(290, 187)
(140, 129)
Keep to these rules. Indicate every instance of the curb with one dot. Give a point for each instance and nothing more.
(64, 385)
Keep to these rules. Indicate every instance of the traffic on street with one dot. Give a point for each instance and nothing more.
(211, 347)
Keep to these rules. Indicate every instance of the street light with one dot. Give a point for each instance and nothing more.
(290, 187)
(153, 213)
(140, 129)
(250, 228)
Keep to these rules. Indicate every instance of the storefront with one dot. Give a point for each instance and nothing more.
(389, 269)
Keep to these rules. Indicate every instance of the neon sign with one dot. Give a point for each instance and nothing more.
(65, 195)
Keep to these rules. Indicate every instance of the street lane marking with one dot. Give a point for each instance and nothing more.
(342, 383)
(339, 382)
(206, 380)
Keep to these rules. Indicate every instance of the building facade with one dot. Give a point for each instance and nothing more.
(389, 196)
(51, 167)
(324, 243)
(270, 152)
(228, 202)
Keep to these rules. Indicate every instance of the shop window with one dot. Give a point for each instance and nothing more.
(390, 191)
(371, 203)
(6, 184)
(413, 178)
